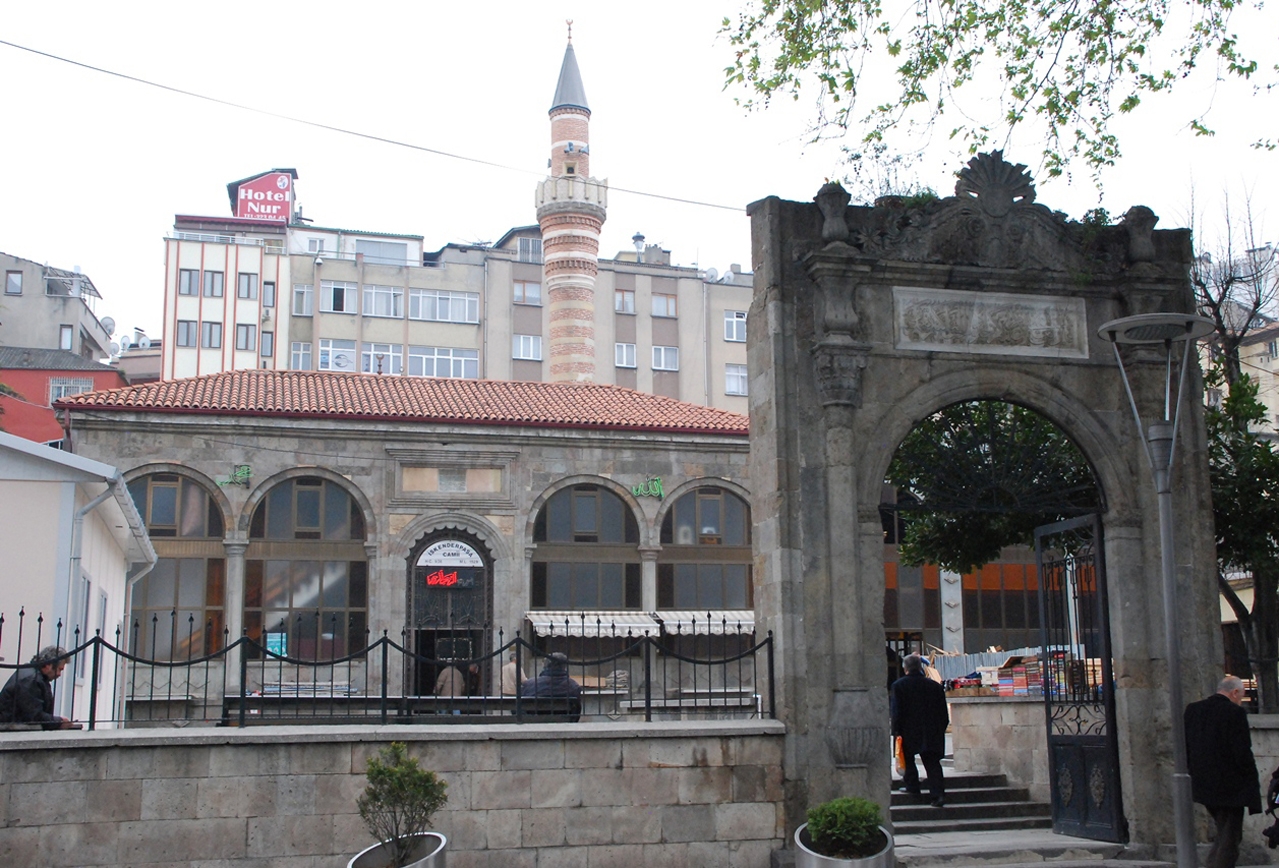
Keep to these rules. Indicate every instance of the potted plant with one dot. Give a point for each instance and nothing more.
(397, 805)
(844, 832)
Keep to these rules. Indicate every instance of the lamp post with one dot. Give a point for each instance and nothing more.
(1160, 440)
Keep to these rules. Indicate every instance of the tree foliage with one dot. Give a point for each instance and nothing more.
(400, 799)
(1070, 66)
(977, 476)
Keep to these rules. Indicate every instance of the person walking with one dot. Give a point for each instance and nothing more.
(512, 678)
(28, 695)
(1223, 773)
(920, 717)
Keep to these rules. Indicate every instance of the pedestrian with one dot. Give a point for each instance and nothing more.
(511, 677)
(1223, 773)
(919, 716)
(28, 695)
(554, 683)
(451, 682)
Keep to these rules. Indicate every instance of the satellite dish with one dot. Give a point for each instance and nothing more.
(114, 348)
(125, 343)
(711, 275)
(108, 325)
(144, 342)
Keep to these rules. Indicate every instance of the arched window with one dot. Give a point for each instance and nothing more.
(705, 563)
(587, 555)
(306, 572)
(177, 608)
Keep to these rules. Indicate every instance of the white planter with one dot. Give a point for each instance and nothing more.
(806, 858)
(428, 852)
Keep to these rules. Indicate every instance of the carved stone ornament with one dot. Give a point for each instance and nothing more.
(855, 746)
(997, 185)
(839, 364)
(832, 200)
(1139, 221)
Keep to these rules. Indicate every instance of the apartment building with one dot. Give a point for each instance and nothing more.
(49, 308)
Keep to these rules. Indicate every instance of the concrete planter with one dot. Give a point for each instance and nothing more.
(428, 852)
(805, 857)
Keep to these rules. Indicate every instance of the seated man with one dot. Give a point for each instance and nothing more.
(28, 696)
(553, 691)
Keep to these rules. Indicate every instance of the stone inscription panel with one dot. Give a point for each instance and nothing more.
(992, 323)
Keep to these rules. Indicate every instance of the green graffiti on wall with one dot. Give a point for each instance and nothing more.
(651, 487)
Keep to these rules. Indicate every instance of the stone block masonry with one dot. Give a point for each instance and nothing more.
(590, 794)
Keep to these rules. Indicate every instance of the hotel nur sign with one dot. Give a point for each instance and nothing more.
(266, 198)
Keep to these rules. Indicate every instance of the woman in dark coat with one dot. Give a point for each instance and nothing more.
(920, 718)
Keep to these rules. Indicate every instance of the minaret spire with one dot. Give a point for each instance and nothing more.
(571, 208)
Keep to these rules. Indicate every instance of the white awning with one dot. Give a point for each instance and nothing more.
(715, 622)
(591, 622)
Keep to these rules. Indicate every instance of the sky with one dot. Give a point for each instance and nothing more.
(94, 167)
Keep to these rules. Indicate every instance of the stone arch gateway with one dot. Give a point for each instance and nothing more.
(867, 319)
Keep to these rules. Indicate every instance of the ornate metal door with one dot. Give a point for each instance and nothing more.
(1079, 697)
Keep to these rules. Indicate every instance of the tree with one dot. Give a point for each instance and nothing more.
(977, 476)
(1071, 67)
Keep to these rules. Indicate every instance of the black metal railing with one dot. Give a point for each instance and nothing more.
(706, 669)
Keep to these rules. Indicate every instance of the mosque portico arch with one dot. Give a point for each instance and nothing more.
(867, 319)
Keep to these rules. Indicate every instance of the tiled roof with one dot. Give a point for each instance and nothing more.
(37, 359)
(312, 394)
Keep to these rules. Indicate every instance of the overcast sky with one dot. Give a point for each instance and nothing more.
(95, 167)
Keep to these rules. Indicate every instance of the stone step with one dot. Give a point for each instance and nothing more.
(961, 781)
(961, 795)
(959, 845)
(925, 812)
(971, 824)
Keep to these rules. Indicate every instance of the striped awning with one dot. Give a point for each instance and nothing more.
(591, 622)
(715, 622)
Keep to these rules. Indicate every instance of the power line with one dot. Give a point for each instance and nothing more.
(342, 130)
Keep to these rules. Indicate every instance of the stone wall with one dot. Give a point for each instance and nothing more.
(519, 796)
(1002, 735)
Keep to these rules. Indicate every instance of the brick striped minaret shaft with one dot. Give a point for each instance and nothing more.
(571, 207)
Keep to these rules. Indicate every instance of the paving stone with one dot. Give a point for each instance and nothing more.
(587, 826)
(289, 836)
(169, 799)
(556, 788)
(543, 827)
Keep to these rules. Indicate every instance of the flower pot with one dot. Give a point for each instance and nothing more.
(805, 857)
(428, 852)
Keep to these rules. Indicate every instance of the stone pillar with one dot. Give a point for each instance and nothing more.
(233, 604)
(648, 576)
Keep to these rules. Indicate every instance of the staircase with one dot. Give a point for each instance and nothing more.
(974, 803)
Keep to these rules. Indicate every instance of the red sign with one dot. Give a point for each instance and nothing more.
(442, 579)
(269, 197)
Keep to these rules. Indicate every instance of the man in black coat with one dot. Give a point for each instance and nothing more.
(28, 695)
(556, 684)
(1223, 774)
(920, 717)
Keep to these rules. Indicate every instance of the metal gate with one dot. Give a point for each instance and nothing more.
(1079, 697)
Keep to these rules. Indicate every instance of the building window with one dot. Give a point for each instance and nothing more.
(268, 293)
(268, 344)
(211, 335)
(187, 333)
(530, 250)
(624, 300)
(382, 359)
(188, 281)
(587, 555)
(300, 356)
(337, 296)
(690, 573)
(735, 325)
(624, 355)
(65, 387)
(246, 337)
(382, 252)
(212, 284)
(13, 283)
(383, 301)
(528, 347)
(178, 607)
(305, 571)
(439, 305)
(66, 337)
(337, 355)
(303, 299)
(734, 379)
(527, 292)
(666, 358)
(444, 362)
(315, 245)
(246, 286)
(664, 305)
(1273, 348)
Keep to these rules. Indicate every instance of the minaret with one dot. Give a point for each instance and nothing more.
(570, 210)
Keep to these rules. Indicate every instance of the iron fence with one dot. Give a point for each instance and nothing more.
(706, 670)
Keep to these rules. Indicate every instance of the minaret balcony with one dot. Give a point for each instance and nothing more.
(568, 192)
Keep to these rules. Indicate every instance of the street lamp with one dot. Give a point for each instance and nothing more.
(1160, 439)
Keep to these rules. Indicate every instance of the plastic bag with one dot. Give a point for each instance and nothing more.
(899, 755)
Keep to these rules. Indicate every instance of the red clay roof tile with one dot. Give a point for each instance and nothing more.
(317, 394)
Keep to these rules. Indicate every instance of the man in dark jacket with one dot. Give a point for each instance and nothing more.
(28, 696)
(553, 683)
(1223, 774)
(920, 718)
